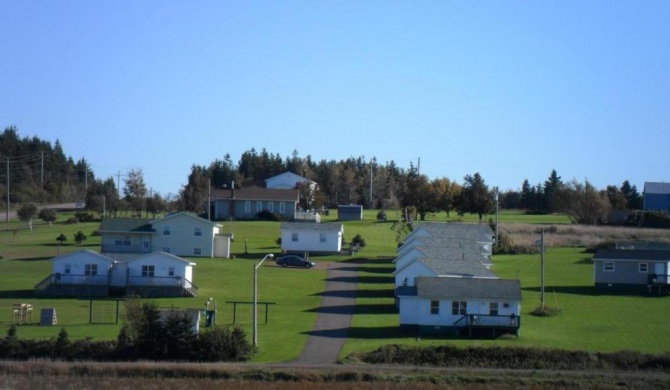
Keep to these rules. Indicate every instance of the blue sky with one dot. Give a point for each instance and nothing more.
(509, 89)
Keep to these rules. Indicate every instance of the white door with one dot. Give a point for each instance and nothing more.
(661, 273)
(146, 245)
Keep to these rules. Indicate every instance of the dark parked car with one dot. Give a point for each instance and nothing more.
(294, 261)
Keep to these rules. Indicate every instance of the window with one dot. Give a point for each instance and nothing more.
(404, 281)
(122, 240)
(148, 271)
(171, 271)
(322, 237)
(271, 207)
(167, 230)
(459, 308)
(197, 251)
(197, 231)
(166, 249)
(91, 269)
(643, 268)
(608, 266)
(294, 237)
(259, 206)
(434, 307)
(68, 269)
(282, 207)
(247, 206)
(493, 308)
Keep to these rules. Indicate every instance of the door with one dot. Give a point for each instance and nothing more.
(146, 245)
(661, 273)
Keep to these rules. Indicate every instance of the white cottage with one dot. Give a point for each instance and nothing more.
(458, 305)
(311, 237)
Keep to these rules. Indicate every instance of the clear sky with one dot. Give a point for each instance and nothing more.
(509, 89)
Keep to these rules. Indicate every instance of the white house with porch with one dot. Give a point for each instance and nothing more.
(458, 305)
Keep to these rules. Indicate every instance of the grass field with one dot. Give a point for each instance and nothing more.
(588, 321)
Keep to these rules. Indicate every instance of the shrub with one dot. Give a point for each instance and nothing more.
(223, 344)
(381, 215)
(358, 240)
(267, 215)
(83, 216)
(71, 221)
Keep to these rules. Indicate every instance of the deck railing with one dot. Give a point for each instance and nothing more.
(488, 320)
(658, 279)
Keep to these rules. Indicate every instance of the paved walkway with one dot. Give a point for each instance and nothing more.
(332, 325)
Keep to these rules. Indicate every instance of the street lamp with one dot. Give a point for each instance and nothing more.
(255, 304)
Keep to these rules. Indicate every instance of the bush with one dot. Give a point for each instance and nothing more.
(71, 221)
(267, 215)
(223, 344)
(358, 240)
(83, 216)
(381, 215)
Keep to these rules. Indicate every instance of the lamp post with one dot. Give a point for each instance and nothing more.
(255, 303)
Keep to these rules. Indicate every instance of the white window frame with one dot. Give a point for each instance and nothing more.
(171, 271)
(197, 231)
(322, 237)
(434, 307)
(90, 269)
(148, 271)
(197, 251)
(167, 230)
(608, 266)
(259, 206)
(271, 207)
(247, 206)
(494, 308)
(294, 237)
(67, 269)
(643, 268)
(282, 207)
(459, 308)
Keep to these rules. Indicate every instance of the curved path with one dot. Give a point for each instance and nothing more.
(332, 324)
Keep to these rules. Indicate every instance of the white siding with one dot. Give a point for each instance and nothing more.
(412, 271)
(310, 241)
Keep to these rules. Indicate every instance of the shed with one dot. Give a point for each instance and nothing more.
(350, 212)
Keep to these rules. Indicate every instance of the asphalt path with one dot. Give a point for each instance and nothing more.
(335, 313)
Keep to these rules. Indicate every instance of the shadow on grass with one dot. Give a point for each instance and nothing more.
(33, 259)
(385, 293)
(371, 270)
(585, 261)
(370, 260)
(574, 290)
(362, 279)
(358, 309)
(382, 332)
(16, 294)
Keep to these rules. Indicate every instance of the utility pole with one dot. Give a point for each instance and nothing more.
(496, 197)
(118, 183)
(418, 167)
(42, 171)
(7, 215)
(209, 199)
(542, 268)
(371, 202)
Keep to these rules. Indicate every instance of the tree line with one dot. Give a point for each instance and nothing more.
(354, 180)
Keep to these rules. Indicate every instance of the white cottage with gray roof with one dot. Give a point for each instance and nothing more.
(457, 306)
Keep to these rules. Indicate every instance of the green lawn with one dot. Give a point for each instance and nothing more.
(589, 320)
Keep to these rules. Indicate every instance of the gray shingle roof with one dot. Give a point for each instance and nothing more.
(453, 254)
(127, 225)
(468, 288)
(311, 226)
(632, 255)
(457, 267)
(473, 231)
(656, 188)
(257, 193)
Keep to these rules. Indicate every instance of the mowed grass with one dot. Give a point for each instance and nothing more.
(592, 321)
(589, 320)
